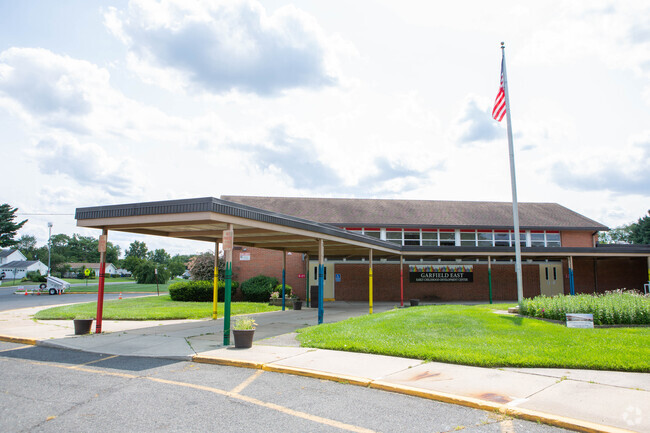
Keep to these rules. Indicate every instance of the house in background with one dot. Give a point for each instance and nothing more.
(110, 270)
(11, 255)
(18, 269)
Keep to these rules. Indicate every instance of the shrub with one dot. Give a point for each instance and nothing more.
(199, 291)
(287, 290)
(618, 307)
(36, 277)
(258, 289)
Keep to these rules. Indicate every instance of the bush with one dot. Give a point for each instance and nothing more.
(287, 290)
(36, 277)
(618, 307)
(199, 291)
(258, 289)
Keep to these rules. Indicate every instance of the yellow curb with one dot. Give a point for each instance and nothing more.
(224, 361)
(353, 380)
(21, 340)
(527, 414)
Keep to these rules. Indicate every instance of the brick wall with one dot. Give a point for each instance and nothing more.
(386, 284)
(610, 274)
(577, 239)
(269, 262)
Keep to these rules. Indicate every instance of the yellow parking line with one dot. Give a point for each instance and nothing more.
(239, 388)
(15, 348)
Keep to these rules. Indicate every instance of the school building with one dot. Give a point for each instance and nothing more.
(445, 251)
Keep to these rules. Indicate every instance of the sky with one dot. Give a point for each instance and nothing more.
(110, 102)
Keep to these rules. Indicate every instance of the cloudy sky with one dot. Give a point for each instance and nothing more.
(107, 102)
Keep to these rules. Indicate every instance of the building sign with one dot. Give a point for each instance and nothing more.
(441, 274)
(575, 320)
(245, 257)
(301, 275)
(337, 278)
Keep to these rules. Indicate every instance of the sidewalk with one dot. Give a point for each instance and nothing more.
(584, 400)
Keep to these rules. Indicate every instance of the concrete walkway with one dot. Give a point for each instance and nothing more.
(584, 400)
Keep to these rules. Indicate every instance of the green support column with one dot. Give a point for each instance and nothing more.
(490, 276)
(226, 307)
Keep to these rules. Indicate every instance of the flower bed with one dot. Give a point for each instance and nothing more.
(618, 307)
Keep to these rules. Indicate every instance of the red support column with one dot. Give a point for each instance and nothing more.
(102, 273)
(401, 281)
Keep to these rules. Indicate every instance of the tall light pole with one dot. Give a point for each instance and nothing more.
(49, 247)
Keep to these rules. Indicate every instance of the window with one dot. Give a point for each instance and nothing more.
(447, 238)
(485, 238)
(411, 237)
(430, 238)
(394, 236)
(375, 233)
(553, 239)
(468, 239)
(537, 239)
(501, 239)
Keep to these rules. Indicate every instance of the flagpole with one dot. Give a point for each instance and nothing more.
(515, 206)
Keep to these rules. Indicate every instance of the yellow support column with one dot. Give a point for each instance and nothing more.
(370, 283)
(215, 288)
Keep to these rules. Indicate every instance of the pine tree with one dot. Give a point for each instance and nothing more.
(8, 228)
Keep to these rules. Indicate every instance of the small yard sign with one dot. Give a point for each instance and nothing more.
(575, 320)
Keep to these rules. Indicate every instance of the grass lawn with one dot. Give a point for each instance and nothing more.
(149, 308)
(474, 335)
(94, 280)
(114, 288)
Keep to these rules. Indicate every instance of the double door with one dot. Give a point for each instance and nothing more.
(551, 282)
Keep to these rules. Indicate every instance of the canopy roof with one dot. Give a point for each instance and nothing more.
(205, 219)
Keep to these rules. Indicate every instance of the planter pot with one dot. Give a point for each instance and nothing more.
(243, 338)
(288, 302)
(297, 305)
(414, 302)
(82, 326)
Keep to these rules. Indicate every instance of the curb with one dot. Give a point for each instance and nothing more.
(19, 340)
(526, 414)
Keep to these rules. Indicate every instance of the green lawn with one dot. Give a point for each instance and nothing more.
(94, 280)
(149, 308)
(474, 335)
(114, 288)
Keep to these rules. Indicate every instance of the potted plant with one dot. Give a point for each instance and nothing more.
(243, 330)
(82, 325)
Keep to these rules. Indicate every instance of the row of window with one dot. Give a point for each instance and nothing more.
(464, 238)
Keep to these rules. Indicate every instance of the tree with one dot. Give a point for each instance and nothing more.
(145, 273)
(634, 233)
(159, 256)
(137, 249)
(131, 263)
(640, 231)
(202, 267)
(8, 228)
(176, 265)
(27, 245)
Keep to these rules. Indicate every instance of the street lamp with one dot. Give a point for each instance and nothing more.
(49, 247)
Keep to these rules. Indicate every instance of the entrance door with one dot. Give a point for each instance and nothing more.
(328, 279)
(550, 279)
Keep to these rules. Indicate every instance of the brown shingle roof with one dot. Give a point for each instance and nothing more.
(422, 213)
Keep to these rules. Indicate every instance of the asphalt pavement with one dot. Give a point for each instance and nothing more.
(584, 400)
(53, 390)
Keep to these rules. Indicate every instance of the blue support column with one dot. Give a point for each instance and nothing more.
(321, 281)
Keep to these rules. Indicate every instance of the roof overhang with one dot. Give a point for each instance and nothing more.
(205, 219)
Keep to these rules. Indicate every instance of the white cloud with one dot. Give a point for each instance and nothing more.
(224, 46)
(88, 164)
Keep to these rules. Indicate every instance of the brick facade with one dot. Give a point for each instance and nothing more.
(386, 284)
(577, 239)
(599, 275)
(269, 263)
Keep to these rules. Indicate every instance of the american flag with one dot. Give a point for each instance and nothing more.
(499, 109)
